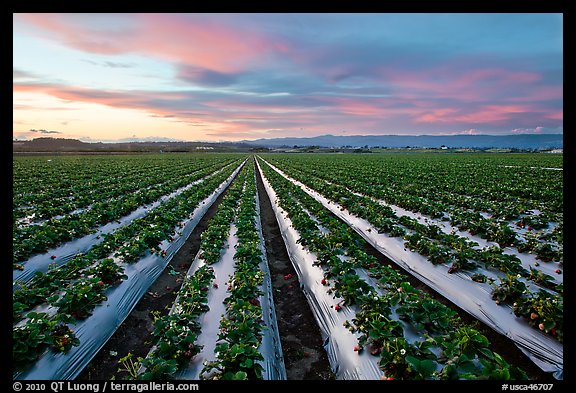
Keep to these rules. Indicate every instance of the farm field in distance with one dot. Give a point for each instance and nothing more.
(409, 266)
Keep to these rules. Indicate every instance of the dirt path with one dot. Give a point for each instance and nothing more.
(304, 356)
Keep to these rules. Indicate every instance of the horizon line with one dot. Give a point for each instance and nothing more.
(145, 140)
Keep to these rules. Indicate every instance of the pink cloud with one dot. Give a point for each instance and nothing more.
(437, 115)
(539, 94)
(496, 75)
(215, 116)
(358, 107)
(214, 46)
(145, 101)
(485, 114)
(449, 81)
(556, 115)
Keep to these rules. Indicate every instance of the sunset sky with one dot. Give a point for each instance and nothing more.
(109, 77)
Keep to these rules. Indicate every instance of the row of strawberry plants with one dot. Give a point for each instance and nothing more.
(40, 238)
(428, 240)
(330, 316)
(175, 334)
(542, 350)
(460, 254)
(490, 255)
(74, 289)
(94, 194)
(546, 245)
(475, 181)
(40, 179)
(72, 183)
(381, 185)
(128, 243)
(464, 352)
(238, 355)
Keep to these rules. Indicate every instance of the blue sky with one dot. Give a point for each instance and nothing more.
(106, 77)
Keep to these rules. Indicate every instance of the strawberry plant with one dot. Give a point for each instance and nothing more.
(381, 335)
(533, 221)
(176, 333)
(130, 367)
(79, 299)
(36, 335)
(63, 338)
(108, 271)
(426, 314)
(421, 368)
(466, 355)
(237, 352)
(438, 254)
(478, 277)
(547, 253)
(509, 290)
(541, 278)
(544, 311)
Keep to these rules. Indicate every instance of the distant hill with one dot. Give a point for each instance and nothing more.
(62, 145)
(519, 141)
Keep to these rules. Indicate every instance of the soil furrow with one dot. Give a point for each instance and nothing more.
(304, 355)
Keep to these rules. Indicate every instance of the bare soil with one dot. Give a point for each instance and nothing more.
(304, 355)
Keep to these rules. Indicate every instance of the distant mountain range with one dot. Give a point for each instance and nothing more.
(519, 141)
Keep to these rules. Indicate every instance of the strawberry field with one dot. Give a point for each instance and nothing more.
(412, 266)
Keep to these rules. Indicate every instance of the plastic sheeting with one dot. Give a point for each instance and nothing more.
(474, 298)
(67, 251)
(95, 331)
(210, 321)
(339, 341)
(271, 349)
(528, 261)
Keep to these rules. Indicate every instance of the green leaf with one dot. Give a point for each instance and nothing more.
(549, 324)
(423, 367)
(240, 375)
(466, 366)
(486, 352)
(427, 367)
(247, 363)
